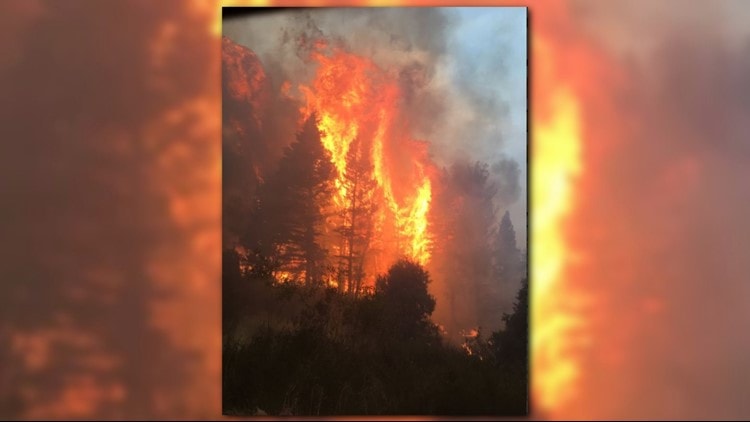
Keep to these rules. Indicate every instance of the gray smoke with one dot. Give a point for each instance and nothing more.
(455, 89)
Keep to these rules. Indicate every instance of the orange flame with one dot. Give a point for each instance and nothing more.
(357, 102)
(556, 317)
(557, 156)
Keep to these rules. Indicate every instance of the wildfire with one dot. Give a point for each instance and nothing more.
(557, 143)
(284, 276)
(356, 104)
(415, 218)
(352, 97)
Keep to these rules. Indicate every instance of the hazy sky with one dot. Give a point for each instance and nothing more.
(491, 42)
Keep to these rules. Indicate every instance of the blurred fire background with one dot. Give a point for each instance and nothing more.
(111, 185)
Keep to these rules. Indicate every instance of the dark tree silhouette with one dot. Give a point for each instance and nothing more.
(511, 344)
(292, 204)
(256, 127)
(244, 152)
(507, 259)
(506, 274)
(231, 283)
(407, 303)
(373, 354)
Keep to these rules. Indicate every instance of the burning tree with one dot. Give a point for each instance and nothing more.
(356, 216)
(359, 104)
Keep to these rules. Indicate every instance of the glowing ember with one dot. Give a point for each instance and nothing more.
(284, 276)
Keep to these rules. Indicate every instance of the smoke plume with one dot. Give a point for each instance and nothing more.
(451, 95)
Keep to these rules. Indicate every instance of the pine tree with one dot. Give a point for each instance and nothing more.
(292, 203)
(464, 257)
(356, 217)
(507, 257)
(511, 343)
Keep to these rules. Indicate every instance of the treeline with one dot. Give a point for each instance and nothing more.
(303, 334)
(476, 259)
(310, 350)
(287, 223)
(270, 169)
